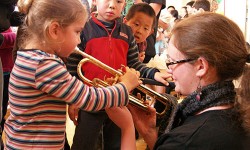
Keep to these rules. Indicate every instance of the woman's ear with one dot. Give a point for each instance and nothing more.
(202, 66)
(54, 30)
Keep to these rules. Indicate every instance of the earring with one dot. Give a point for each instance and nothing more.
(198, 91)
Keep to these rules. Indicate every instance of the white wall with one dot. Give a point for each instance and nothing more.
(247, 34)
(176, 3)
(236, 10)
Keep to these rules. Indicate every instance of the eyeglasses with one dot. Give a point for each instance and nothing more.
(179, 61)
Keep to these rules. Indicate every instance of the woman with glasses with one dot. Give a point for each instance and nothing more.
(206, 53)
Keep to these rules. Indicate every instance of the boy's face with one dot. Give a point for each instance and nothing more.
(109, 10)
(141, 25)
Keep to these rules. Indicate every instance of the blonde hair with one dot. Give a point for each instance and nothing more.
(221, 42)
(40, 13)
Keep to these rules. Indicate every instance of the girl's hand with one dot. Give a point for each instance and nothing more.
(130, 79)
(73, 113)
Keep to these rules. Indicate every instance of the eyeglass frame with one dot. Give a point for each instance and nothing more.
(179, 61)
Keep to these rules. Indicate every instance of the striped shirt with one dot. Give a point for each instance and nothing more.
(39, 89)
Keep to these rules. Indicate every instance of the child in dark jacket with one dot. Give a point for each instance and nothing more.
(141, 19)
(109, 40)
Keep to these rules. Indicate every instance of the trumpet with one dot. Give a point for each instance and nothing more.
(165, 100)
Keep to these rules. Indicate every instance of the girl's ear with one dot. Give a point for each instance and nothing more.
(54, 30)
(202, 66)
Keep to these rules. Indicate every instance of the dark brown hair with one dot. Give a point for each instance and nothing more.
(204, 4)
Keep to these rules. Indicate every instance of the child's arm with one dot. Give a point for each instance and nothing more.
(145, 123)
(56, 81)
(146, 72)
(133, 61)
(122, 118)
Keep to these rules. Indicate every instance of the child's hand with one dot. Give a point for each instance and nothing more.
(141, 56)
(145, 123)
(110, 81)
(73, 113)
(123, 119)
(163, 77)
(131, 79)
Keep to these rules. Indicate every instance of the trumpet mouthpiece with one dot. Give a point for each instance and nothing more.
(76, 50)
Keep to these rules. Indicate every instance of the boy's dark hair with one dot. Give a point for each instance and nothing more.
(175, 14)
(191, 3)
(204, 4)
(171, 7)
(144, 8)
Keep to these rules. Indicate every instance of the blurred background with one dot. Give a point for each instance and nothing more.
(236, 10)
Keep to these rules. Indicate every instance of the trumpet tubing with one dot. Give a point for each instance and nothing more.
(91, 59)
(100, 83)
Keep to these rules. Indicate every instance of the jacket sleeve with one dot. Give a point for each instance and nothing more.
(8, 39)
(133, 61)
